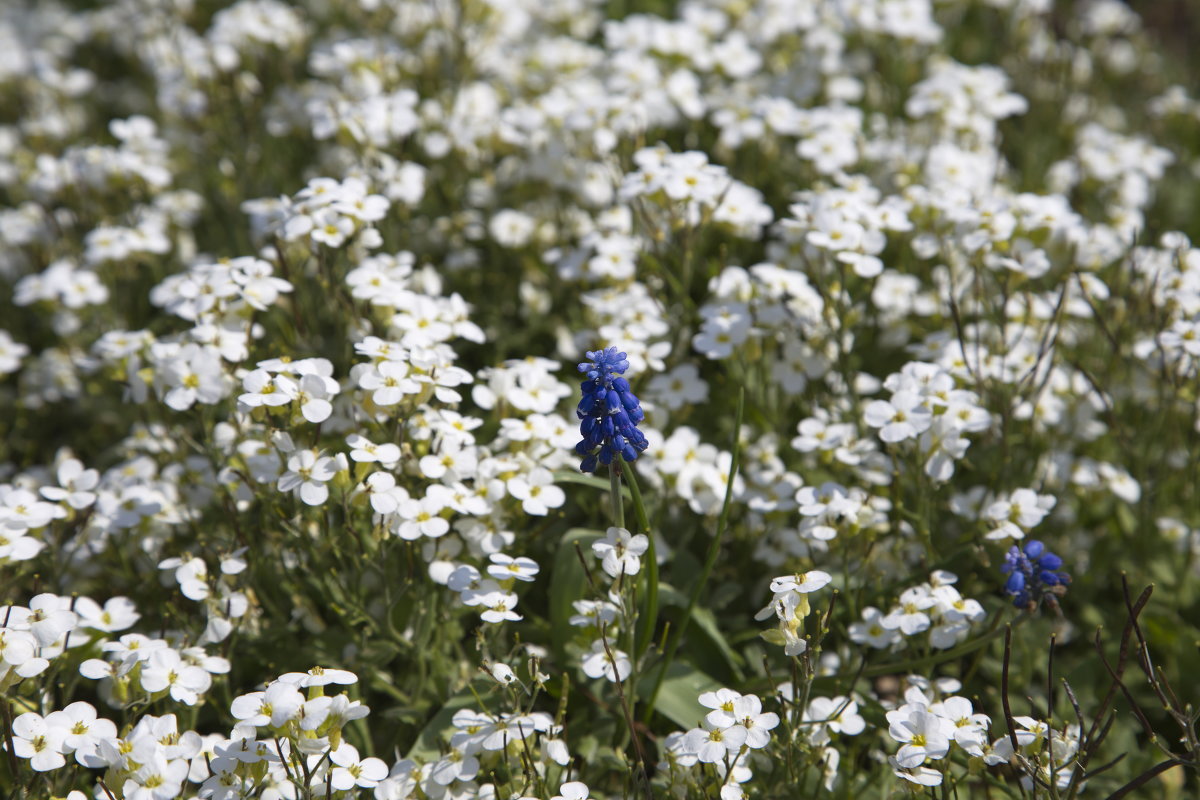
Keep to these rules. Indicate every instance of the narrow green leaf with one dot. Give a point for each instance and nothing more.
(568, 582)
(678, 693)
(571, 476)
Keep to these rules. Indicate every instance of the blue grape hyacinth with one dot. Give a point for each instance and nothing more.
(1033, 573)
(609, 412)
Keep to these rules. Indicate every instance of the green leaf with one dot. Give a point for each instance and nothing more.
(706, 623)
(677, 698)
(571, 476)
(773, 636)
(568, 582)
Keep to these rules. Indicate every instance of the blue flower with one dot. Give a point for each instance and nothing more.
(609, 412)
(1032, 574)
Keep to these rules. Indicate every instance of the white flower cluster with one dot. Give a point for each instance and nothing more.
(293, 293)
(620, 554)
(735, 726)
(847, 226)
(790, 606)
(477, 733)
(926, 729)
(694, 470)
(925, 406)
(831, 507)
(1017, 514)
(935, 606)
(929, 729)
(769, 303)
(493, 594)
(329, 212)
(824, 717)
(75, 730)
(686, 189)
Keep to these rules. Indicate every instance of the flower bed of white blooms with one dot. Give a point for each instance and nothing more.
(291, 301)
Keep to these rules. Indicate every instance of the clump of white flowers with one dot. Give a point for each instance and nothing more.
(906, 301)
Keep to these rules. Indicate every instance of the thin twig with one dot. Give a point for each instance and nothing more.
(1144, 778)
(1008, 715)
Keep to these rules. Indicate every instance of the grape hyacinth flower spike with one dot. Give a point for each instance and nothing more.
(609, 412)
(1033, 573)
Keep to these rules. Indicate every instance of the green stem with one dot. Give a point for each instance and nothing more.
(614, 482)
(12, 758)
(649, 616)
(714, 549)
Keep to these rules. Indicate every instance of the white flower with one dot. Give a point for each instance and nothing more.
(455, 766)
(18, 655)
(38, 741)
(361, 206)
(262, 390)
(417, 518)
(572, 790)
(76, 485)
(679, 387)
(503, 673)
(593, 613)
(278, 705)
(790, 603)
(11, 353)
(902, 417)
(909, 616)
(191, 575)
(165, 670)
(48, 618)
(714, 745)
(17, 546)
(385, 496)
(21, 510)
(536, 491)
(1019, 513)
(312, 394)
(366, 452)
(388, 382)
(837, 714)
(118, 614)
(923, 735)
(749, 716)
(499, 605)
(351, 771)
(453, 462)
(969, 729)
(157, 779)
(803, 582)
(340, 711)
(83, 731)
(922, 776)
(955, 608)
(721, 703)
(511, 228)
(621, 552)
(399, 784)
(505, 567)
(598, 662)
(307, 474)
(872, 631)
(194, 374)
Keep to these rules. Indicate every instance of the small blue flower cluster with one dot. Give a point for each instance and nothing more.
(609, 411)
(1032, 574)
